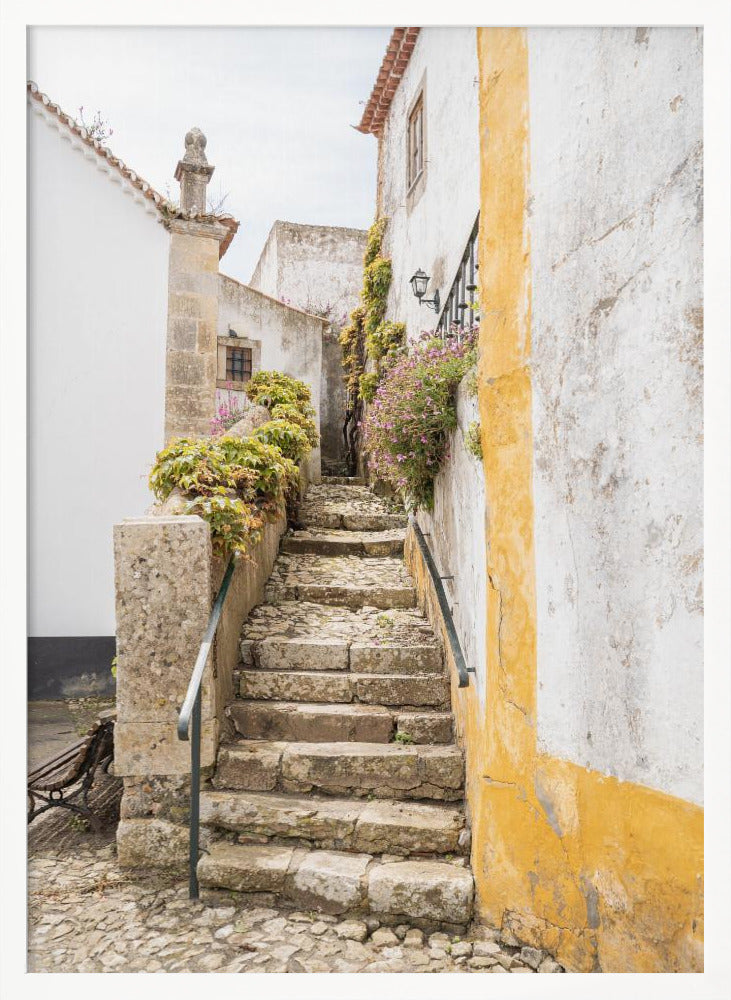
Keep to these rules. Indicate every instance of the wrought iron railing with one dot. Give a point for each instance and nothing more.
(189, 727)
(463, 671)
(461, 307)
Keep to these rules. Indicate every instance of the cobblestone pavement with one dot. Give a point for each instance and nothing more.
(89, 915)
(320, 622)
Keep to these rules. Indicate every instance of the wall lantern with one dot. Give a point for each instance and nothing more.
(418, 282)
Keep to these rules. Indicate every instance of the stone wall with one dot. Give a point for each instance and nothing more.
(166, 581)
(318, 269)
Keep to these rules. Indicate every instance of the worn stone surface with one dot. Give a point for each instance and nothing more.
(322, 723)
(330, 881)
(256, 869)
(351, 507)
(351, 581)
(426, 727)
(300, 654)
(151, 842)
(430, 890)
(334, 542)
(310, 622)
(87, 914)
(354, 824)
(341, 688)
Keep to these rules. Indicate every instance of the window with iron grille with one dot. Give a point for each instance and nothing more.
(238, 364)
(416, 141)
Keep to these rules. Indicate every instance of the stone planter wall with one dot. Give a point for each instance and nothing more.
(166, 579)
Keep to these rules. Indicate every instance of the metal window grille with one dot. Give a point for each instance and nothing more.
(238, 364)
(461, 308)
(416, 141)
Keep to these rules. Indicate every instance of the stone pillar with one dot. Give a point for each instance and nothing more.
(164, 585)
(190, 374)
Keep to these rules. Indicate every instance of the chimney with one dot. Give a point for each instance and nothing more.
(194, 173)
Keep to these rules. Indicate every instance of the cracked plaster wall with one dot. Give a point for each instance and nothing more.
(616, 248)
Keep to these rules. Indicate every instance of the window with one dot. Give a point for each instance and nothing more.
(238, 364)
(416, 141)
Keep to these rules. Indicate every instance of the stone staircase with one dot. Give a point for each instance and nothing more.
(342, 789)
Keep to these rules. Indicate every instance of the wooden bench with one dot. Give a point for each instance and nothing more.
(65, 780)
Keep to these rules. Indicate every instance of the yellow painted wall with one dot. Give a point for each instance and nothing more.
(606, 875)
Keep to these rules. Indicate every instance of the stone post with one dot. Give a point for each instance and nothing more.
(164, 585)
(190, 375)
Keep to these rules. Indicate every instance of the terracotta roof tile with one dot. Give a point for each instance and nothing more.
(395, 61)
(165, 208)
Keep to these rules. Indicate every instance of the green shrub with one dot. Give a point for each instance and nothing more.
(272, 388)
(387, 338)
(367, 385)
(288, 437)
(473, 439)
(235, 524)
(304, 416)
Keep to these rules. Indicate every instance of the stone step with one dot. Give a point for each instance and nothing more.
(331, 723)
(343, 481)
(416, 690)
(279, 653)
(383, 770)
(427, 892)
(351, 507)
(336, 542)
(377, 827)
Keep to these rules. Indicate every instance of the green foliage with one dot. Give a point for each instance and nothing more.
(114, 667)
(302, 415)
(375, 239)
(291, 439)
(404, 738)
(387, 338)
(412, 415)
(363, 334)
(352, 341)
(471, 382)
(367, 385)
(272, 388)
(473, 439)
(233, 483)
(235, 524)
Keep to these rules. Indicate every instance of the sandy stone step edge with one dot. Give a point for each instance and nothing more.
(336, 722)
(379, 826)
(275, 653)
(343, 481)
(327, 545)
(381, 770)
(342, 596)
(433, 892)
(352, 522)
(343, 687)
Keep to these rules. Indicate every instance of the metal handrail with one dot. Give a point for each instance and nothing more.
(463, 670)
(191, 710)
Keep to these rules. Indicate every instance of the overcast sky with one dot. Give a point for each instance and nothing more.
(276, 104)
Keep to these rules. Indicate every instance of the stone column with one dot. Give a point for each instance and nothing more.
(190, 376)
(164, 586)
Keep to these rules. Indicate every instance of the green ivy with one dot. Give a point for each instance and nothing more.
(367, 385)
(272, 388)
(473, 439)
(291, 440)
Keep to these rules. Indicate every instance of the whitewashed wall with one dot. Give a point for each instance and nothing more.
(431, 231)
(457, 540)
(97, 324)
(616, 249)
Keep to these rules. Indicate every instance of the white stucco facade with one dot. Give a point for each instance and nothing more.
(616, 248)
(98, 267)
(429, 226)
(456, 538)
